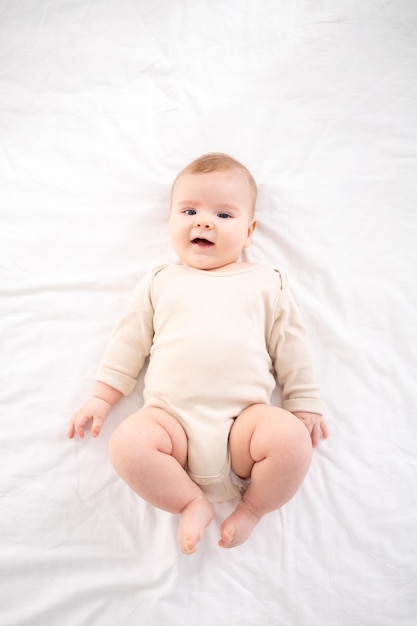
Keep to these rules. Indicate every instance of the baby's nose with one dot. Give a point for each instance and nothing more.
(203, 223)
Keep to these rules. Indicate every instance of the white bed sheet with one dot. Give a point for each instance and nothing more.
(101, 103)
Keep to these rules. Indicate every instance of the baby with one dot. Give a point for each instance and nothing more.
(219, 333)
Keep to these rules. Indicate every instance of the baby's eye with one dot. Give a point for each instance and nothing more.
(224, 216)
(190, 211)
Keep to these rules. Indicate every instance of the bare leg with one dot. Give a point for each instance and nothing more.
(149, 451)
(274, 448)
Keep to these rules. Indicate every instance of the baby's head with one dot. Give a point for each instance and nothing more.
(220, 162)
(211, 216)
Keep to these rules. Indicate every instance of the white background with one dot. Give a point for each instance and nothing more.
(101, 103)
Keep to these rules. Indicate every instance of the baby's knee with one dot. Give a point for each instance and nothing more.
(126, 441)
(283, 429)
(144, 434)
(297, 441)
(303, 438)
(117, 446)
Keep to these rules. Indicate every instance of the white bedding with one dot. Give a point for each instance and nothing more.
(101, 103)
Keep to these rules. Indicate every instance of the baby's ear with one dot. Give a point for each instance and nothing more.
(251, 229)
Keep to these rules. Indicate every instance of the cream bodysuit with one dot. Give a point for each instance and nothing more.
(217, 342)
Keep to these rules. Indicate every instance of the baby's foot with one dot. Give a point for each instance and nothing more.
(195, 518)
(238, 526)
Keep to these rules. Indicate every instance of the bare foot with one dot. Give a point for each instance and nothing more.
(238, 526)
(195, 517)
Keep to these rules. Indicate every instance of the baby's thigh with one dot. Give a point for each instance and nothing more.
(259, 431)
(150, 430)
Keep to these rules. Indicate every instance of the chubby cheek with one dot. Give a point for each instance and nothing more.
(178, 240)
(174, 232)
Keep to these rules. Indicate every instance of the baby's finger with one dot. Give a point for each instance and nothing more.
(315, 435)
(324, 429)
(78, 423)
(96, 426)
(70, 430)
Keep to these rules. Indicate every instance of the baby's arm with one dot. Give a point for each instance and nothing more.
(94, 411)
(315, 425)
(125, 355)
(292, 360)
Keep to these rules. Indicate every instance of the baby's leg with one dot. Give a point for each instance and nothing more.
(274, 448)
(149, 451)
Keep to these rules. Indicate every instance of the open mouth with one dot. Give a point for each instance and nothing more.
(205, 243)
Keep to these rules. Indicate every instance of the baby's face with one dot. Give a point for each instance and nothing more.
(210, 220)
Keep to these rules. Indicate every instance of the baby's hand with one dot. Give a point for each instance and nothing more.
(95, 411)
(315, 425)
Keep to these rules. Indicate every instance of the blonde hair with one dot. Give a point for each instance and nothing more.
(218, 162)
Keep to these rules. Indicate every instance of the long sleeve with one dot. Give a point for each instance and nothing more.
(130, 342)
(291, 357)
